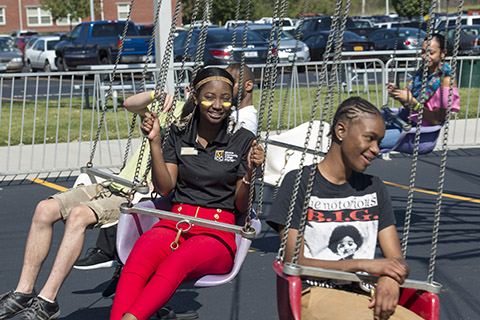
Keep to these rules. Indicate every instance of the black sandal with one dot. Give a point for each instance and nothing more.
(166, 313)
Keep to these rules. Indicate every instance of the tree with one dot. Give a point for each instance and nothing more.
(410, 8)
(61, 9)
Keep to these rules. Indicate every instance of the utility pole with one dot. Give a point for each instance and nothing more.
(92, 11)
(163, 25)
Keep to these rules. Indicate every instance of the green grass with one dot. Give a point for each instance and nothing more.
(36, 122)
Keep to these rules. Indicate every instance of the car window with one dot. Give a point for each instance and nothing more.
(411, 33)
(39, 45)
(76, 32)
(111, 30)
(51, 44)
(350, 36)
(225, 35)
(4, 47)
(475, 20)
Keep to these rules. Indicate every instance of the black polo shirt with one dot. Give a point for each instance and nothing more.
(207, 176)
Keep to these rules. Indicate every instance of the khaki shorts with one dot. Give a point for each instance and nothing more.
(97, 197)
(320, 303)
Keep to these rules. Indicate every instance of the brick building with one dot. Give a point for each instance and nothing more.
(27, 14)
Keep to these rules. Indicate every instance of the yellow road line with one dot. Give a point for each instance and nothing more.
(446, 195)
(49, 184)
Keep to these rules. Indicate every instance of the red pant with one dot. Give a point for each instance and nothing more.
(152, 272)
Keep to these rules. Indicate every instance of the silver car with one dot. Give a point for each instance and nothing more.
(286, 51)
(11, 59)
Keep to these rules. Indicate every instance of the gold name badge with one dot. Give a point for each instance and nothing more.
(188, 151)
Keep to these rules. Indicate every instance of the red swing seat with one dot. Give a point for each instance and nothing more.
(289, 298)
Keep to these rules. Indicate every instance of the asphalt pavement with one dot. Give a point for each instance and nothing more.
(252, 295)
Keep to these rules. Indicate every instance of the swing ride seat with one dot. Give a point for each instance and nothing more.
(131, 226)
(406, 141)
(280, 159)
(289, 298)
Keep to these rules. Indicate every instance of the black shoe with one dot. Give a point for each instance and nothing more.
(166, 313)
(40, 310)
(95, 259)
(13, 302)
(112, 286)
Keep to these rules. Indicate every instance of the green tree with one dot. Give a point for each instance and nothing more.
(61, 9)
(410, 8)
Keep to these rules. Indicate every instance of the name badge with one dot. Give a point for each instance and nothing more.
(188, 151)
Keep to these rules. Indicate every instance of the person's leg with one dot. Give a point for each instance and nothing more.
(70, 248)
(106, 241)
(197, 256)
(148, 252)
(39, 239)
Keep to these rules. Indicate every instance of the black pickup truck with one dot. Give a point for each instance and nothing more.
(93, 43)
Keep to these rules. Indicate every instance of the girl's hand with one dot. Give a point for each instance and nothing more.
(390, 87)
(385, 299)
(404, 96)
(256, 156)
(151, 126)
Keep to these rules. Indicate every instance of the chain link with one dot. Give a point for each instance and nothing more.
(296, 186)
(443, 162)
(413, 170)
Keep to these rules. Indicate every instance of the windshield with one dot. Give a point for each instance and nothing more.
(225, 35)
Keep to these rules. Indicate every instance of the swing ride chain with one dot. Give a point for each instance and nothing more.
(242, 59)
(288, 154)
(181, 76)
(150, 46)
(413, 171)
(158, 100)
(142, 85)
(234, 31)
(110, 88)
(337, 58)
(271, 88)
(443, 163)
(287, 91)
(296, 185)
(202, 38)
(338, 45)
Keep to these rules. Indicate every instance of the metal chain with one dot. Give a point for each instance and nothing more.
(142, 84)
(413, 170)
(159, 87)
(202, 38)
(234, 32)
(110, 88)
(296, 186)
(311, 179)
(287, 91)
(271, 89)
(443, 163)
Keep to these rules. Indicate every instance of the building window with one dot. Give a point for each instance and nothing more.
(2, 15)
(122, 9)
(68, 21)
(38, 17)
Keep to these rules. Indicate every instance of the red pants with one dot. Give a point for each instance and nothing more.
(152, 272)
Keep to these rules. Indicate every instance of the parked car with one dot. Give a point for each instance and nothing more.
(363, 23)
(93, 43)
(465, 20)
(23, 33)
(218, 47)
(11, 59)
(469, 39)
(384, 39)
(312, 25)
(41, 55)
(288, 23)
(317, 43)
(286, 50)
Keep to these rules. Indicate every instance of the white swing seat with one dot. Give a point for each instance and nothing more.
(275, 167)
(86, 179)
(131, 226)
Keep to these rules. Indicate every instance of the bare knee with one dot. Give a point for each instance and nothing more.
(81, 217)
(47, 212)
